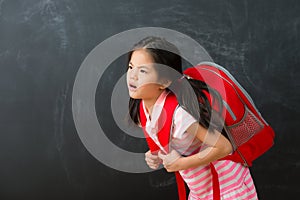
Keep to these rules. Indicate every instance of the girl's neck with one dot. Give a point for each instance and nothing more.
(149, 103)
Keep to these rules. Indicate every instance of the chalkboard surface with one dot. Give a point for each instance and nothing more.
(43, 44)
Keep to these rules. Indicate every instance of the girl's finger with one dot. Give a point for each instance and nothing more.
(169, 158)
(161, 155)
(150, 155)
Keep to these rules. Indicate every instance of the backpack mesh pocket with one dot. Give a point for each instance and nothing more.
(246, 128)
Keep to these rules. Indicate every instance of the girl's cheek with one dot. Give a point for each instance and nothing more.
(127, 77)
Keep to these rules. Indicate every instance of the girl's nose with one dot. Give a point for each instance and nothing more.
(133, 74)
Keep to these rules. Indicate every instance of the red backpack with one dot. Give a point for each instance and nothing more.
(249, 134)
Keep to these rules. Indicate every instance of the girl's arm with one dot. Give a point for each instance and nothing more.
(216, 146)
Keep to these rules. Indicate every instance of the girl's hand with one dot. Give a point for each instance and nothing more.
(171, 161)
(152, 160)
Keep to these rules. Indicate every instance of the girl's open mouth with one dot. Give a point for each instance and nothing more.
(132, 87)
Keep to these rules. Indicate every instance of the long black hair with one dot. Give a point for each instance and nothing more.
(189, 92)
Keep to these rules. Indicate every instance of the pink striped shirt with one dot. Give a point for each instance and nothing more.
(235, 180)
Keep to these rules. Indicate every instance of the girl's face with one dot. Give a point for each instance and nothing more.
(142, 78)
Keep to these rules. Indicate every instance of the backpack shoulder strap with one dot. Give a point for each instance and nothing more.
(165, 122)
(164, 126)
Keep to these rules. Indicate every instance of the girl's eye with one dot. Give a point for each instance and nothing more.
(143, 71)
(129, 67)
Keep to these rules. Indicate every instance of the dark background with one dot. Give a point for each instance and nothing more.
(43, 43)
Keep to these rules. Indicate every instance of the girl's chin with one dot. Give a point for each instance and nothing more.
(133, 95)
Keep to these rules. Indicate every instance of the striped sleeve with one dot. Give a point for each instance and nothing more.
(182, 120)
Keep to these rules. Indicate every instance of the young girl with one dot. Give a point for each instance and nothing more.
(195, 141)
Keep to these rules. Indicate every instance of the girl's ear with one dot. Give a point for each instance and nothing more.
(164, 84)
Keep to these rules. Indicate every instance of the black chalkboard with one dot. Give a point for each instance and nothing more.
(43, 44)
